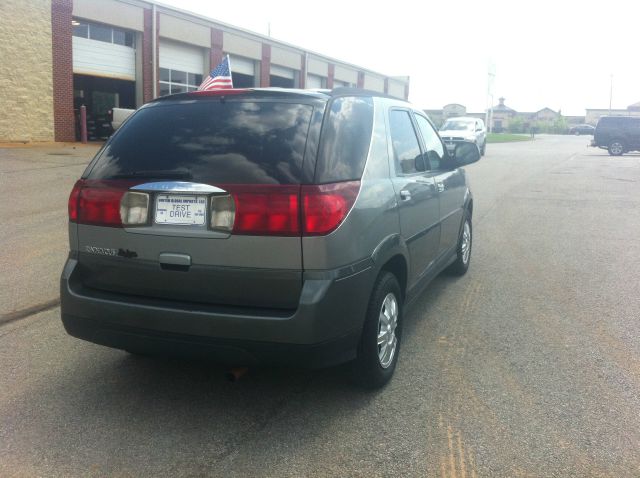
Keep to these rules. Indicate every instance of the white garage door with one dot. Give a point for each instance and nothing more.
(179, 57)
(242, 65)
(99, 58)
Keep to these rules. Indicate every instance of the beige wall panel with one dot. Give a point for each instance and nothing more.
(343, 73)
(317, 67)
(26, 100)
(184, 31)
(396, 89)
(111, 12)
(374, 83)
(286, 58)
(241, 46)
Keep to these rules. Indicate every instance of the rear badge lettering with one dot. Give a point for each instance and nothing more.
(103, 251)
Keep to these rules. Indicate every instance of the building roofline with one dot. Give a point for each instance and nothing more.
(256, 35)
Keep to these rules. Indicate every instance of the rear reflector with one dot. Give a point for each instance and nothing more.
(325, 206)
(73, 200)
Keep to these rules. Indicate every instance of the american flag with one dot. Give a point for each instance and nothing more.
(219, 78)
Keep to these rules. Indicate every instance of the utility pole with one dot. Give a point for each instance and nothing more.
(491, 75)
(610, 93)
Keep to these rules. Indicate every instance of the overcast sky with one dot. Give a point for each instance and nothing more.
(559, 53)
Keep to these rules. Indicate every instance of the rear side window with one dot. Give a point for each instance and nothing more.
(405, 143)
(234, 142)
(345, 140)
(435, 150)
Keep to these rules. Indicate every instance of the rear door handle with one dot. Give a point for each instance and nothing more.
(405, 195)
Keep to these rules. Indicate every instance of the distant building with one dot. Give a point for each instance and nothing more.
(501, 115)
(594, 114)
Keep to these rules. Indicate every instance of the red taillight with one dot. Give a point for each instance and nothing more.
(100, 206)
(73, 200)
(326, 205)
(97, 202)
(266, 210)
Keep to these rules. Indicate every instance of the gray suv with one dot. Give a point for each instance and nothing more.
(265, 226)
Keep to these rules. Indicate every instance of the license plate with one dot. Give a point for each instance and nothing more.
(451, 146)
(181, 210)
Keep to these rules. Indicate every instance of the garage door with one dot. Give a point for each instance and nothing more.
(99, 58)
(179, 57)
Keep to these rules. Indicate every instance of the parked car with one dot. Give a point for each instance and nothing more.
(265, 226)
(617, 134)
(117, 116)
(582, 129)
(464, 128)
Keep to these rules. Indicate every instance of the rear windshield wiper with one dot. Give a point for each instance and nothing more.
(159, 174)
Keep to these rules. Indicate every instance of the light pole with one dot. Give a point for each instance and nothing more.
(491, 74)
(610, 93)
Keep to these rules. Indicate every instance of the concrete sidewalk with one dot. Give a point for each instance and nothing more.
(35, 181)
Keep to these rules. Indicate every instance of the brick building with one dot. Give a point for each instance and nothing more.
(57, 55)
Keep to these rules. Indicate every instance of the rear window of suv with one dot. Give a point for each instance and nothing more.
(233, 142)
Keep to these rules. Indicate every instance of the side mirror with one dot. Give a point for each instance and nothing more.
(466, 153)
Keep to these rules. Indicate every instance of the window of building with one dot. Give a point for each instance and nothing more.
(104, 33)
(343, 84)
(175, 81)
(241, 80)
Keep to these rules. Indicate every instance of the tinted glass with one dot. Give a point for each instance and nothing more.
(344, 144)
(405, 143)
(165, 89)
(178, 76)
(435, 150)
(178, 89)
(165, 74)
(243, 142)
(81, 30)
(118, 37)
(100, 33)
(193, 79)
(129, 39)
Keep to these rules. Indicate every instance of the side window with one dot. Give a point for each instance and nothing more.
(435, 150)
(346, 135)
(408, 156)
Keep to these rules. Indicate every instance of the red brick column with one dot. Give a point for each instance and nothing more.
(157, 65)
(265, 66)
(330, 75)
(361, 79)
(216, 52)
(62, 72)
(147, 57)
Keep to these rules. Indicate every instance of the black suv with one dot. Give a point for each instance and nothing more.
(617, 134)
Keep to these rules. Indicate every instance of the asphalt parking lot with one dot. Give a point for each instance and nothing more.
(527, 366)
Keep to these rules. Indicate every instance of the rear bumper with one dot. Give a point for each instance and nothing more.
(323, 330)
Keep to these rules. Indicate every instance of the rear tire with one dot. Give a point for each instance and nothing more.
(463, 250)
(484, 148)
(380, 341)
(616, 148)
